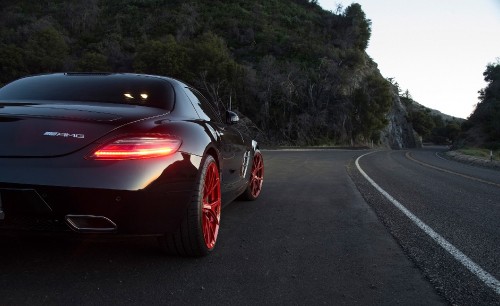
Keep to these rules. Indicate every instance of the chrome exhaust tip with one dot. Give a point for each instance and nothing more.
(90, 224)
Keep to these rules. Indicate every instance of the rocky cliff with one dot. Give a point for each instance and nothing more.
(399, 133)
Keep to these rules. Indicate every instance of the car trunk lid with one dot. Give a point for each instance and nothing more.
(54, 129)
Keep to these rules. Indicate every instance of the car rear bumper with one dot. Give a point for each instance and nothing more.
(130, 197)
(92, 210)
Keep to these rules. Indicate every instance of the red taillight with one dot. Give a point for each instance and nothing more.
(138, 147)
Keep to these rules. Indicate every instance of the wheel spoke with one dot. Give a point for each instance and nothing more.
(209, 184)
(211, 190)
(212, 212)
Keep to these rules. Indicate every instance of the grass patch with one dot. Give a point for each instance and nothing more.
(478, 152)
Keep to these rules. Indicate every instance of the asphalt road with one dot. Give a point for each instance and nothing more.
(461, 203)
(317, 235)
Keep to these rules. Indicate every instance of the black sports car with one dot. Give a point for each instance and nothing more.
(121, 153)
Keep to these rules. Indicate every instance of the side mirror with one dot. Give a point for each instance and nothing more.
(232, 117)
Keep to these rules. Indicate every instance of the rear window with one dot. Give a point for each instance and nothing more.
(112, 88)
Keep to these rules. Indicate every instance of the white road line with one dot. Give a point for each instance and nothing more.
(484, 276)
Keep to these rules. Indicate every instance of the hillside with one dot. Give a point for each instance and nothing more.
(435, 112)
(432, 125)
(299, 73)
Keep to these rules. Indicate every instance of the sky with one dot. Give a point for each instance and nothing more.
(435, 49)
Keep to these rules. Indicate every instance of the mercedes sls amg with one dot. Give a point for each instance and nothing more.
(121, 153)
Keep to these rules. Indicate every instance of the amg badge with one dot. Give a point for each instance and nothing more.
(59, 134)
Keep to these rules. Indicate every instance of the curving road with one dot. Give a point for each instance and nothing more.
(319, 234)
(460, 203)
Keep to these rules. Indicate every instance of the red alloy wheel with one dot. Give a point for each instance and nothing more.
(211, 205)
(257, 175)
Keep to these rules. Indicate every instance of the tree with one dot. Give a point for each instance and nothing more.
(213, 68)
(12, 63)
(361, 25)
(46, 51)
(165, 57)
(93, 62)
(487, 112)
(422, 122)
(453, 131)
(371, 102)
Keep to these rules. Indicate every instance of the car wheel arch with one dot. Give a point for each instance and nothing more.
(215, 153)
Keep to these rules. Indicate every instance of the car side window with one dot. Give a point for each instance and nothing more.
(202, 105)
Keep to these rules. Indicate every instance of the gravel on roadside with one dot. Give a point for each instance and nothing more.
(473, 160)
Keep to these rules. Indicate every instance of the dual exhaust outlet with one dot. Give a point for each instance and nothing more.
(90, 224)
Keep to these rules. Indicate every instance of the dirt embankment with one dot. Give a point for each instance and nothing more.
(474, 160)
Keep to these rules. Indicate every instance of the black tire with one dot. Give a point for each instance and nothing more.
(198, 232)
(256, 179)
